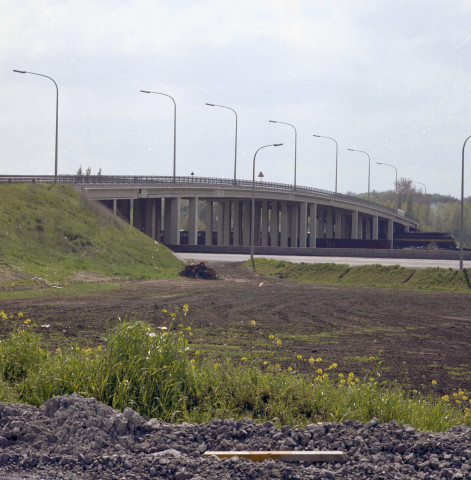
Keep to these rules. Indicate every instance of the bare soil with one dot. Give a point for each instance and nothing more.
(423, 336)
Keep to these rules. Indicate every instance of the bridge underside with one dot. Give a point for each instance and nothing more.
(278, 224)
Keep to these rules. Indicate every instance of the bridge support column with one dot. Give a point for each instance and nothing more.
(131, 212)
(227, 223)
(236, 222)
(338, 224)
(361, 230)
(303, 225)
(209, 223)
(257, 224)
(367, 234)
(391, 232)
(329, 224)
(294, 224)
(264, 223)
(150, 217)
(284, 224)
(193, 221)
(115, 206)
(312, 225)
(172, 221)
(220, 239)
(158, 219)
(274, 225)
(375, 227)
(355, 225)
(247, 208)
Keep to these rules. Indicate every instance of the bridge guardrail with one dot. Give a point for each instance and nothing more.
(153, 180)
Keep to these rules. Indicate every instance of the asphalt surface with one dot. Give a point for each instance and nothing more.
(352, 261)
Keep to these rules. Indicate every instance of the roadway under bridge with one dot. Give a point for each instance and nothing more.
(219, 212)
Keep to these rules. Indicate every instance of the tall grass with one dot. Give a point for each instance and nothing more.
(154, 372)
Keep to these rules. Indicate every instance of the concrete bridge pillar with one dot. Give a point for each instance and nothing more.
(257, 224)
(209, 223)
(220, 221)
(294, 224)
(236, 222)
(193, 221)
(355, 225)
(274, 225)
(303, 225)
(375, 227)
(391, 232)
(312, 225)
(131, 212)
(329, 224)
(172, 221)
(284, 224)
(344, 226)
(368, 226)
(338, 224)
(115, 206)
(150, 217)
(246, 214)
(227, 223)
(264, 223)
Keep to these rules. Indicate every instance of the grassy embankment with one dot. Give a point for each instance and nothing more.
(367, 275)
(50, 235)
(154, 372)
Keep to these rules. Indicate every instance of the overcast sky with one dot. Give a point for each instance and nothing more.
(388, 77)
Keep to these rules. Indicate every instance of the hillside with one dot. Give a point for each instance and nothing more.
(50, 233)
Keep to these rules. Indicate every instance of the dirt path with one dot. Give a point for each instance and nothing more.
(424, 336)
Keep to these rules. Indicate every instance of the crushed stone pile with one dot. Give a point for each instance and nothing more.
(71, 437)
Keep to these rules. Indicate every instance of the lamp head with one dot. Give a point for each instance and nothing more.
(318, 136)
(145, 91)
(351, 149)
(272, 121)
(277, 144)
(210, 104)
(19, 71)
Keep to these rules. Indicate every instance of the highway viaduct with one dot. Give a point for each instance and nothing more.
(285, 217)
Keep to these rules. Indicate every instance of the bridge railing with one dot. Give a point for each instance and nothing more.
(97, 180)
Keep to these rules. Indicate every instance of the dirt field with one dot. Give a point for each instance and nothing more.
(424, 336)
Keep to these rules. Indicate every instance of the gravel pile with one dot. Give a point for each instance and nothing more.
(71, 437)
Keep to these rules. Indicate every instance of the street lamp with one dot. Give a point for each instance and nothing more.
(462, 205)
(295, 145)
(369, 167)
(336, 156)
(57, 114)
(174, 129)
(420, 183)
(235, 148)
(392, 166)
(252, 230)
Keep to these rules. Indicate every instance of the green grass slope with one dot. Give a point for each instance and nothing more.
(393, 276)
(54, 233)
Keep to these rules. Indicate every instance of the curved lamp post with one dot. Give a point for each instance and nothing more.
(252, 224)
(235, 148)
(423, 185)
(392, 166)
(174, 129)
(462, 205)
(369, 167)
(295, 145)
(336, 156)
(57, 114)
